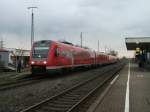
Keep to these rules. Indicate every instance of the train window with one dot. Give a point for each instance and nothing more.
(56, 52)
(42, 43)
(68, 54)
(40, 49)
(63, 53)
(74, 53)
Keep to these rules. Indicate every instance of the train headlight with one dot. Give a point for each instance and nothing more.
(45, 62)
(32, 62)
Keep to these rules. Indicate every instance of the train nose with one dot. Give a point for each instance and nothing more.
(39, 62)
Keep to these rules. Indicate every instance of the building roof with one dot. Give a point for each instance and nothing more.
(3, 50)
(16, 52)
(137, 42)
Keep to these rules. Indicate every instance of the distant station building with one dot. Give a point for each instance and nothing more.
(10, 56)
(4, 57)
(141, 46)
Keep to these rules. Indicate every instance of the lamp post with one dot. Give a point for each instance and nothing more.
(81, 39)
(98, 46)
(32, 24)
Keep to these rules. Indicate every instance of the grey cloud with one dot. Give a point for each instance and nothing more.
(108, 21)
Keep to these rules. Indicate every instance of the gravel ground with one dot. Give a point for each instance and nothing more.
(12, 76)
(15, 100)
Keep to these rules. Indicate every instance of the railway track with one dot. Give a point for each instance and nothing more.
(20, 82)
(70, 99)
(27, 81)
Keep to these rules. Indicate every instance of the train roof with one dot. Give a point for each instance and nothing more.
(137, 42)
(42, 41)
(70, 45)
(66, 42)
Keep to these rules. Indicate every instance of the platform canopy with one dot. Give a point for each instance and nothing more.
(137, 42)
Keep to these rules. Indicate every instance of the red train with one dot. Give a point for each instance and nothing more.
(52, 55)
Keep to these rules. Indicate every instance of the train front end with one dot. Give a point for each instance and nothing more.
(39, 56)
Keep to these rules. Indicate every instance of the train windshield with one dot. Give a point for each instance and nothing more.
(40, 49)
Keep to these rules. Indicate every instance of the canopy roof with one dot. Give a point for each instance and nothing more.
(138, 42)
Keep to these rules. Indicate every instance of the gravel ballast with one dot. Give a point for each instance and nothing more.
(14, 100)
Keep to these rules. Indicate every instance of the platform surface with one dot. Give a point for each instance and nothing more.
(139, 92)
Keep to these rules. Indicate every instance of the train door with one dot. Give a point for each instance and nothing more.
(57, 54)
(62, 58)
(67, 57)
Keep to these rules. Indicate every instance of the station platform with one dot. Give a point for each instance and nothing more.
(129, 93)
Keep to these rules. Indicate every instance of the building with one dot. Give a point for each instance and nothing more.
(141, 46)
(10, 56)
(4, 57)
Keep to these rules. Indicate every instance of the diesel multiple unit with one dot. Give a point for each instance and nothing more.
(49, 55)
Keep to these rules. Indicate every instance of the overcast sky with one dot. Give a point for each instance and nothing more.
(108, 21)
